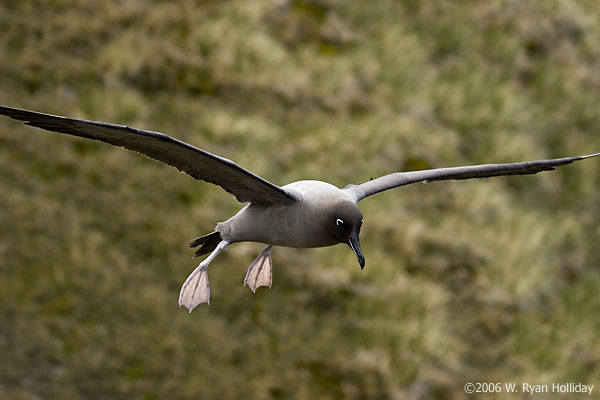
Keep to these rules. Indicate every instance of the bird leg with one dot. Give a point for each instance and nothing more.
(260, 272)
(195, 289)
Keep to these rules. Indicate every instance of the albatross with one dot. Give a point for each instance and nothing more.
(303, 214)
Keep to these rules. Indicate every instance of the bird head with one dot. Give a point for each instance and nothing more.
(343, 225)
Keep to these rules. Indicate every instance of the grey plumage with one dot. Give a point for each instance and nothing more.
(199, 164)
(359, 192)
(301, 224)
(300, 214)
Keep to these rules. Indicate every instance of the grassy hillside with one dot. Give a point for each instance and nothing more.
(478, 281)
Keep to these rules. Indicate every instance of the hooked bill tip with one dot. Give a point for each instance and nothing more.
(354, 243)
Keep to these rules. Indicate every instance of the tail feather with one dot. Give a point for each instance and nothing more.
(209, 243)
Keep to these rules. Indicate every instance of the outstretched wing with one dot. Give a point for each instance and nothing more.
(359, 192)
(200, 164)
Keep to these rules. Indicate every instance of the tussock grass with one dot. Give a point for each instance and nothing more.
(489, 281)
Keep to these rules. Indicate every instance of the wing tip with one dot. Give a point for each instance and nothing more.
(589, 156)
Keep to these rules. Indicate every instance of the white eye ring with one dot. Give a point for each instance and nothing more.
(339, 222)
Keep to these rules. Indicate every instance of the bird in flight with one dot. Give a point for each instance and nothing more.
(302, 214)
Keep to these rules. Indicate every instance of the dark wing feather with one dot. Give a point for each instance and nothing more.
(200, 164)
(359, 192)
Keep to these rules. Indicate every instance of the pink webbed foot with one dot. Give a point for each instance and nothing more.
(260, 272)
(196, 289)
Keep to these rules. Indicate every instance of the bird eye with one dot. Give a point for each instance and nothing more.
(339, 222)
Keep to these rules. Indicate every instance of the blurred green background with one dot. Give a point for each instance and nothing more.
(477, 281)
